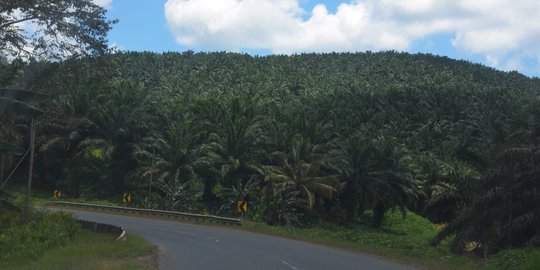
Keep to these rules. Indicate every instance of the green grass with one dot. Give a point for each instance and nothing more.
(40, 197)
(90, 201)
(90, 250)
(401, 240)
(54, 240)
(526, 259)
(532, 261)
(44, 231)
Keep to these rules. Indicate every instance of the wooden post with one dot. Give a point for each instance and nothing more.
(30, 172)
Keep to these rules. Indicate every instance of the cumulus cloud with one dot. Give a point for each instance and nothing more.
(103, 3)
(505, 32)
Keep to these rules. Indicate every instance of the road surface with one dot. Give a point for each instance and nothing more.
(188, 246)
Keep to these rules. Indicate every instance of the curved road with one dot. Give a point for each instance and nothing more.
(189, 246)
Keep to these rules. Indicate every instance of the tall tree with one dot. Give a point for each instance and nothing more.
(66, 128)
(52, 28)
(374, 175)
(120, 125)
(505, 211)
(233, 147)
(170, 156)
(302, 170)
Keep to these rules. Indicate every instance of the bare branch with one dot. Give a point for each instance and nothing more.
(2, 26)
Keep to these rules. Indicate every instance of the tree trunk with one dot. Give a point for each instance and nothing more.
(208, 193)
(68, 171)
(378, 214)
(2, 165)
(74, 180)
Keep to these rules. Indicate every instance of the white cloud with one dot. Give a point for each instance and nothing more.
(103, 3)
(117, 47)
(232, 24)
(503, 31)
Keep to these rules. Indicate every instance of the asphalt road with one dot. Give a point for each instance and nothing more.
(189, 246)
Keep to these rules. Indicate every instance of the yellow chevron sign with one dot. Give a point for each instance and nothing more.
(57, 194)
(127, 197)
(242, 207)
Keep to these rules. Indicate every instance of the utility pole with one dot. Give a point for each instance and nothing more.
(30, 172)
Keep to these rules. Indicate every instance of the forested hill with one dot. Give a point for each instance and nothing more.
(327, 70)
(307, 137)
(305, 73)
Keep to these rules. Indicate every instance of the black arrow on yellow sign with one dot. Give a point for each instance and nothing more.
(242, 207)
(126, 197)
(57, 194)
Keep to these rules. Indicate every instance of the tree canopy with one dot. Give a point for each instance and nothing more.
(54, 29)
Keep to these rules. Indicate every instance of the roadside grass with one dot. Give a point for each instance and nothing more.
(86, 200)
(44, 231)
(54, 240)
(40, 197)
(91, 250)
(525, 259)
(532, 261)
(403, 240)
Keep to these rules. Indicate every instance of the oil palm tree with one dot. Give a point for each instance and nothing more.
(302, 170)
(374, 176)
(174, 193)
(232, 147)
(120, 123)
(67, 126)
(505, 211)
(440, 184)
(162, 156)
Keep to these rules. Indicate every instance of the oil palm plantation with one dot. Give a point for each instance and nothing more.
(374, 176)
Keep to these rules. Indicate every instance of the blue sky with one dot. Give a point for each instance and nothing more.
(500, 34)
(142, 26)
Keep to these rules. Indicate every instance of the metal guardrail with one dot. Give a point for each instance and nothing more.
(151, 212)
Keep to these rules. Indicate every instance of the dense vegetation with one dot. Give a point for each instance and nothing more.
(92, 250)
(28, 242)
(305, 137)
